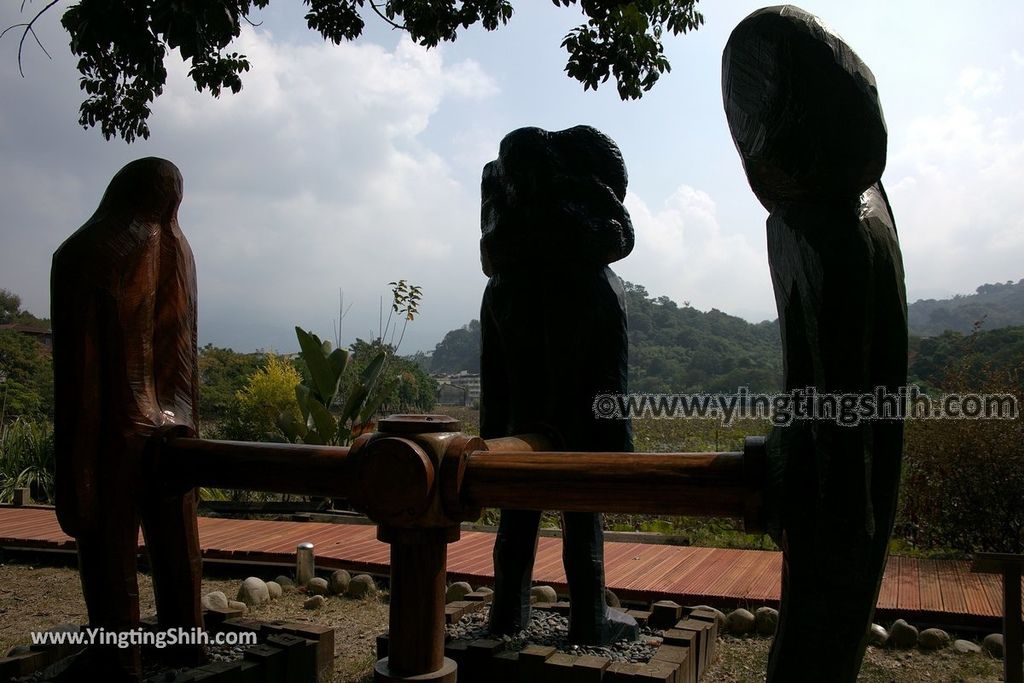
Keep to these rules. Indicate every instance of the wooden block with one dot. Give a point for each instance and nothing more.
(272, 660)
(561, 607)
(504, 668)
(214, 618)
(457, 609)
(687, 640)
(21, 665)
(531, 662)
(557, 668)
(702, 633)
(476, 664)
(22, 497)
(641, 616)
(656, 670)
(237, 671)
(241, 625)
(665, 614)
(708, 616)
(478, 596)
(589, 669)
(677, 656)
(621, 672)
(300, 655)
(323, 636)
(456, 650)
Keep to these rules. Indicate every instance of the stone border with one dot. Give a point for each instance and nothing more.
(684, 656)
(286, 652)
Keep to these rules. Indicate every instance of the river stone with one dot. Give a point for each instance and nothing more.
(933, 639)
(317, 586)
(315, 602)
(275, 590)
(284, 582)
(215, 600)
(339, 581)
(361, 586)
(457, 591)
(611, 599)
(740, 621)
(877, 636)
(485, 589)
(19, 650)
(253, 591)
(902, 634)
(966, 647)
(766, 620)
(993, 645)
(544, 593)
(238, 604)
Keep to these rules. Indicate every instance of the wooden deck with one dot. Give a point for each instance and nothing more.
(921, 591)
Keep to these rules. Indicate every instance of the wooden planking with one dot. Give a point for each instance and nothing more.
(929, 588)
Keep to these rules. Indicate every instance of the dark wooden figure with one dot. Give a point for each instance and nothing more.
(554, 336)
(804, 113)
(123, 307)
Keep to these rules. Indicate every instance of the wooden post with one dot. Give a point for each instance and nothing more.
(416, 616)
(1013, 630)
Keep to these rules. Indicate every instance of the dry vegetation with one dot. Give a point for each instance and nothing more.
(36, 597)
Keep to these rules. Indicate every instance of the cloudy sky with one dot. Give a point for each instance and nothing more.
(350, 166)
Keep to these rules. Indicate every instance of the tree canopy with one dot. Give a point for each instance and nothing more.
(121, 45)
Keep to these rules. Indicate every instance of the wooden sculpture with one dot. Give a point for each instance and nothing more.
(804, 114)
(553, 322)
(124, 326)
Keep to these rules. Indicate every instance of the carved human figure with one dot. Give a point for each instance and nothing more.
(123, 308)
(805, 116)
(553, 323)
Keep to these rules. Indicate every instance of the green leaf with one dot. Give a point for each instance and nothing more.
(324, 382)
(344, 434)
(324, 421)
(338, 360)
(302, 398)
(293, 429)
(354, 402)
(373, 368)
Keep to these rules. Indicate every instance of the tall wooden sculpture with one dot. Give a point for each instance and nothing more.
(554, 335)
(124, 325)
(804, 113)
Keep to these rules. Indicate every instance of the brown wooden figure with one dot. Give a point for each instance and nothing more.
(123, 307)
(553, 321)
(804, 113)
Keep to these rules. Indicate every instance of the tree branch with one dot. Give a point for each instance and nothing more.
(29, 30)
(376, 9)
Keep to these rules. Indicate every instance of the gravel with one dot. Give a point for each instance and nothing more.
(550, 628)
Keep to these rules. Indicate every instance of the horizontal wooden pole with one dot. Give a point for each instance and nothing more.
(272, 467)
(707, 484)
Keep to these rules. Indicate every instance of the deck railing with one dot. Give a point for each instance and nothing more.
(419, 477)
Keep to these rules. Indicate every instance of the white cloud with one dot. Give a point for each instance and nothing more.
(682, 252)
(958, 203)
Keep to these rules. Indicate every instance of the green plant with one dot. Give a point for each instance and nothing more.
(319, 391)
(27, 459)
(369, 383)
(269, 392)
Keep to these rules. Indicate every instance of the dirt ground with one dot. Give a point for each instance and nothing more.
(34, 597)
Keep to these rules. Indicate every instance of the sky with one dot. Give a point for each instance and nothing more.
(347, 167)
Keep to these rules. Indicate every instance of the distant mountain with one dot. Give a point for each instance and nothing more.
(991, 307)
(671, 348)
(676, 348)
